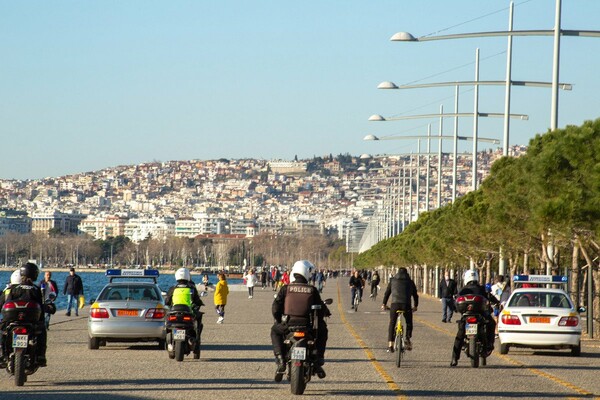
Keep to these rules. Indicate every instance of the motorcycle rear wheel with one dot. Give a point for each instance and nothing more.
(474, 353)
(297, 383)
(179, 350)
(197, 350)
(19, 369)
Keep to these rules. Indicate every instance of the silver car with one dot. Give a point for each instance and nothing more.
(128, 311)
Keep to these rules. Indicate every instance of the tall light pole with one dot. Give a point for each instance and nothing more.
(557, 32)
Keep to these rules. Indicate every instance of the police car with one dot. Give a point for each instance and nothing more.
(130, 308)
(540, 317)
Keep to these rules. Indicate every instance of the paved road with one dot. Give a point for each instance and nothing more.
(237, 362)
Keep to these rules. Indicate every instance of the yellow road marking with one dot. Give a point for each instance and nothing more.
(388, 379)
(518, 363)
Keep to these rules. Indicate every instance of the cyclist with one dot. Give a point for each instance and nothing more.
(472, 286)
(374, 283)
(401, 288)
(356, 283)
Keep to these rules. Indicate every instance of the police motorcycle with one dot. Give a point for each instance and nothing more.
(182, 336)
(473, 309)
(20, 329)
(301, 353)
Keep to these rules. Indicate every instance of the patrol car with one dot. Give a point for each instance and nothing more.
(131, 309)
(540, 317)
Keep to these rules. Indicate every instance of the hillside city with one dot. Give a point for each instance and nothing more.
(246, 197)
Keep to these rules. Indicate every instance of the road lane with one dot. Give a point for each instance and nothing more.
(237, 362)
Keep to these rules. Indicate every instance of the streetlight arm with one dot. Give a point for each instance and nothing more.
(377, 117)
(445, 137)
(391, 85)
(407, 37)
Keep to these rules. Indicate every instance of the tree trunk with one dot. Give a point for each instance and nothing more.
(574, 279)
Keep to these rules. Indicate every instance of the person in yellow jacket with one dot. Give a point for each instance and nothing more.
(220, 298)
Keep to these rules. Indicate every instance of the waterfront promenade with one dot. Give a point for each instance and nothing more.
(237, 361)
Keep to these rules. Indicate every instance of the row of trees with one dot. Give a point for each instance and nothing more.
(61, 250)
(540, 212)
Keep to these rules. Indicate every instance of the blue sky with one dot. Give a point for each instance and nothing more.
(86, 85)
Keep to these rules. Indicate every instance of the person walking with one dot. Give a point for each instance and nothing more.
(263, 278)
(250, 282)
(73, 289)
(220, 297)
(48, 287)
(446, 292)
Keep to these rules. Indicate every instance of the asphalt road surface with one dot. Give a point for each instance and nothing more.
(237, 361)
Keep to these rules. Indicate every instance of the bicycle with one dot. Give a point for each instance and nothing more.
(356, 300)
(374, 291)
(400, 340)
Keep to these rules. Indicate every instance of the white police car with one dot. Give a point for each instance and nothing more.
(540, 318)
(130, 310)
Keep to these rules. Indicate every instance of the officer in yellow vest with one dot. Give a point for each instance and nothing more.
(185, 293)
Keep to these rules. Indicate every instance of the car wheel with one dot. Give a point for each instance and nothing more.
(94, 343)
(504, 348)
(576, 350)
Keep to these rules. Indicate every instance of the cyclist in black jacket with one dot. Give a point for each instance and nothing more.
(402, 289)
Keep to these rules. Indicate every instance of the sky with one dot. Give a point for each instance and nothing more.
(86, 85)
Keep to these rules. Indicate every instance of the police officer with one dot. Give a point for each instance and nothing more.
(292, 306)
(185, 293)
(472, 286)
(26, 290)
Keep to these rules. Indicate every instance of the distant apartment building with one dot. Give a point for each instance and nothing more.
(103, 227)
(138, 229)
(288, 167)
(14, 221)
(200, 224)
(243, 226)
(43, 221)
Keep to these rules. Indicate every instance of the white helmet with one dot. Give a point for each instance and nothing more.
(15, 278)
(470, 275)
(182, 274)
(302, 267)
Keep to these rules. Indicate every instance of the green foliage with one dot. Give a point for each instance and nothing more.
(554, 188)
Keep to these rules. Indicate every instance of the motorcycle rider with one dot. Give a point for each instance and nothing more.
(472, 286)
(292, 306)
(185, 293)
(27, 290)
(401, 288)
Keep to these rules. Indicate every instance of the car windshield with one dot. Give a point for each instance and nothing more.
(130, 292)
(540, 299)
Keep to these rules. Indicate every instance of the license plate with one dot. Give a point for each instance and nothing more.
(178, 334)
(127, 313)
(539, 320)
(471, 329)
(20, 341)
(299, 353)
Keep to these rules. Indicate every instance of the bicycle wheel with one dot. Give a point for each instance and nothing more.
(399, 349)
(356, 301)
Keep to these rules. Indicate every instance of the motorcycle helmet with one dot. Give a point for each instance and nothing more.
(30, 270)
(302, 267)
(15, 278)
(470, 275)
(182, 274)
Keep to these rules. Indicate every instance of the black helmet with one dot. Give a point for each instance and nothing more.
(29, 270)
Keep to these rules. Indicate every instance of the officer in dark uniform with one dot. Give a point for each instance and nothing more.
(28, 291)
(185, 293)
(472, 286)
(292, 306)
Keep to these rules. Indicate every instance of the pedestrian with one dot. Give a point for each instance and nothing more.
(250, 282)
(497, 290)
(220, 297)
(49, 289)
(206, 284)
(276, 277)
(285, 278)
(73, 289)
(263, 278)
(320, 280)
(446, 292)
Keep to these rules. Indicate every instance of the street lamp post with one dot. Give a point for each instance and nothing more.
(557, 32)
